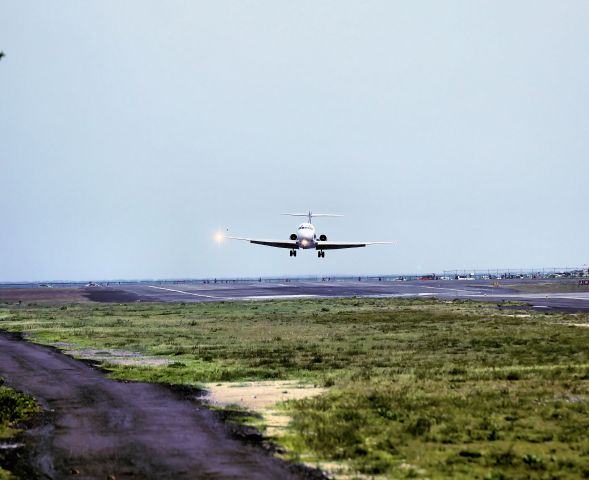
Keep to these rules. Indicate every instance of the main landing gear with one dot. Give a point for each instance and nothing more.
(321, 253)
(293, 253)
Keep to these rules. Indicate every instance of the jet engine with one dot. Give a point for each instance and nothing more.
(293, 236)
(323, 237)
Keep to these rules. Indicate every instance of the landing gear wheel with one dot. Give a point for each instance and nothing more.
(293, 253)
(321, 254)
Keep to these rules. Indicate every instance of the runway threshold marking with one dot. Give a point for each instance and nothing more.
(185, 293)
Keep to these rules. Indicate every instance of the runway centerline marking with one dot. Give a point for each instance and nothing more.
(185, 293)
(442, 288)
(270, 297)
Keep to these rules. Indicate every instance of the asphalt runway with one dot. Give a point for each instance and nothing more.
(558, 295)
(442, 289)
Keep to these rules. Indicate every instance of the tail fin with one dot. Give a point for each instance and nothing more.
(310, 215)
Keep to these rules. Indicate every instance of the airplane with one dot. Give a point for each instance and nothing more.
(305, 238)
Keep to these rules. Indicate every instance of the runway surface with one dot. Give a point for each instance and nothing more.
(442, 289)
(542, 294)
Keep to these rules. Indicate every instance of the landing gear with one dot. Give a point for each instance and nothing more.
(293, 253)
(321, 253)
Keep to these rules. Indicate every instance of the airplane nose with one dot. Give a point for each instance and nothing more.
(305, 238)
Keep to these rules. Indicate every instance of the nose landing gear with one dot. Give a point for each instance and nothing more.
(293, 253)
(321, 254)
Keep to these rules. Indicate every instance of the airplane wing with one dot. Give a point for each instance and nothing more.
(337, 245)
(292, 244)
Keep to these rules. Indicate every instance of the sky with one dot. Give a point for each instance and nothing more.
(131, 131)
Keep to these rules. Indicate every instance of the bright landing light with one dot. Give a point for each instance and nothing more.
(219, 237)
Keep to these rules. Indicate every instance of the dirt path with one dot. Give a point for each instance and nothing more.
(102, 429)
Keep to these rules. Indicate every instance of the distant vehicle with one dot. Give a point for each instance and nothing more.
(45, 285)
(305, 238)
(429, 277)
(92, 284)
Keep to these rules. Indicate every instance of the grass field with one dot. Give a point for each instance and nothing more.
(568, 286)
(417, 389)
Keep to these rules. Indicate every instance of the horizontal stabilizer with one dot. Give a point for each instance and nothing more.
(310, 215)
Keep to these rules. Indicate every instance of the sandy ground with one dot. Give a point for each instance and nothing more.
(262, 397)
(259, 395)
(98, 428)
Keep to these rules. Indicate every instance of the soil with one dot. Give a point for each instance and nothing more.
(42, 295)
(58, 296)
(97, 428)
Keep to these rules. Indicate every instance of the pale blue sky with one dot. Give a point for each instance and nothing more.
(131, 130)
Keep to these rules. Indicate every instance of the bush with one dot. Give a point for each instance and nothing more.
(14, 406)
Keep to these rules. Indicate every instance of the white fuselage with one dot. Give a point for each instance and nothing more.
(306, 235)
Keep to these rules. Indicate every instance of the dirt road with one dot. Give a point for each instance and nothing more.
(100, 429)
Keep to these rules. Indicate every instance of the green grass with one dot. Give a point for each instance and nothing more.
(418, 388)
(565, 286)
(14, 408)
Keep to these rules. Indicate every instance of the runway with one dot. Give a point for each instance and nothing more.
(542, 294)
(442, 289)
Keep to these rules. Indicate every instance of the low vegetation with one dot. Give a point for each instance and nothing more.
(567, 286)
(14, 408)
(418, 388)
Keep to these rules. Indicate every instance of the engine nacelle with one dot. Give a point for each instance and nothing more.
(323, 237)
(293, 236)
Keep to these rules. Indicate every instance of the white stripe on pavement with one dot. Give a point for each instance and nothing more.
(185, 293)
